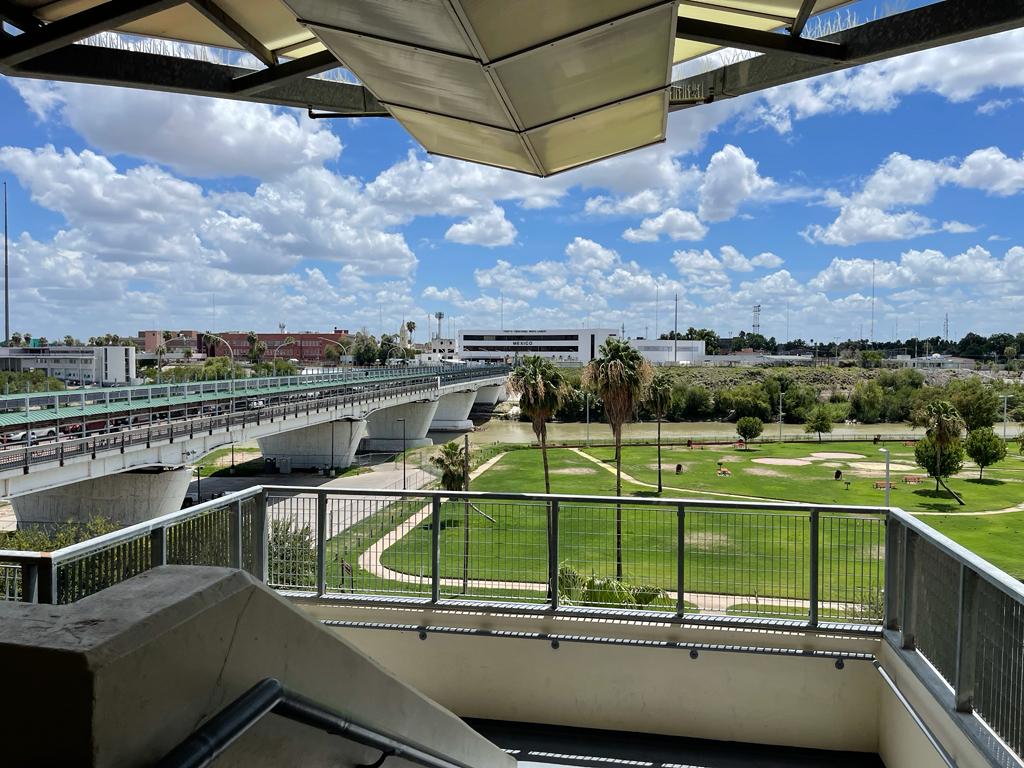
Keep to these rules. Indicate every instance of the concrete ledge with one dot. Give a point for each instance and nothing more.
(126, 674)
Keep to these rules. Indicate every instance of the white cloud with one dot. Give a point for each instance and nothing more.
(194, 135)
(768, 260)
(901, 181)
(730, 180)
(587, 256)
(489, 229)
(673, 223)
(992, 106)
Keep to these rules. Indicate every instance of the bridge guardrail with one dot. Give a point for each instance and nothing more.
(61, 450)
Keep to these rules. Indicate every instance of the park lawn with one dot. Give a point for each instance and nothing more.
(997, 538)
(1002, 487)
(728, 552)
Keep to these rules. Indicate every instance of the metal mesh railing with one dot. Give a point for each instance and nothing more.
(936, 585)
(10, 581)
(998, 663)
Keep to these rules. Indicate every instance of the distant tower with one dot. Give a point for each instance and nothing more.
(280, 327)
(757, 319)
(945, 328)
(439, 316)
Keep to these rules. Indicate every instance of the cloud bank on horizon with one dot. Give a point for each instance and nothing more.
(909, 172)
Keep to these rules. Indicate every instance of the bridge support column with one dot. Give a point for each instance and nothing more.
(487, 397)
(125, 498)
(453, 412)
(384, 427)
(322, 445)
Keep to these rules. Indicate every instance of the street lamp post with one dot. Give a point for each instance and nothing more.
(403, 453)
(338, 344)
(886, 452)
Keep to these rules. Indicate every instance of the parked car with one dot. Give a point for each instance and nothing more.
(255, 405)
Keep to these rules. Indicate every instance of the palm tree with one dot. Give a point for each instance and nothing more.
(410, 326)
(541, 389)
(945, 425)
(660, 399)
(451, 460)
(620, 376)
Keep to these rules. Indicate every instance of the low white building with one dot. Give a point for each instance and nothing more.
(77, 365)
(579, 345)
(670, 352)
(441, 346)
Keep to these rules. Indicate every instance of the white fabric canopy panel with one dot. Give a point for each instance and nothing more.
(531, 85)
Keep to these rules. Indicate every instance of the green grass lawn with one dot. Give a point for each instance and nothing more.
(728, 552)
(997, 538)
(1002, 487)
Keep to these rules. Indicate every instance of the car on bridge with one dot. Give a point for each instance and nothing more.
(28, 435)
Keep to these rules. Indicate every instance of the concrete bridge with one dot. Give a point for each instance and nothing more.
(133, 472)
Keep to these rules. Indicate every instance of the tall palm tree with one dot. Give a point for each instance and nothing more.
(541, 389)
(410, 326)
(945, 425)
(620, 376)
(660, 400)
(451, 461)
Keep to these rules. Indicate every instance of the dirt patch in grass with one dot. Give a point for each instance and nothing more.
(782, 462)
(837, 455)
(668, 466)
(729, 459)
(832, 464)
(706, 541)
(879, 466)
(574, 471)
(762, 472)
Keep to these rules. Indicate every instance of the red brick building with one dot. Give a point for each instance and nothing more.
(306, 347)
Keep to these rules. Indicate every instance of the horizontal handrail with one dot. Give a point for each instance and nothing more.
(269, 696)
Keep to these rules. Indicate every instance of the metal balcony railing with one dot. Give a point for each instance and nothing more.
(783, 566)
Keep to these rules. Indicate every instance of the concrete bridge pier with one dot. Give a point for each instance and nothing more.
(384, 427)
(321, 445)
(487, 397)
(124, 498)
(453, 412)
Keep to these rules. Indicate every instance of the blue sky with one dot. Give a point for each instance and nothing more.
(132, 210)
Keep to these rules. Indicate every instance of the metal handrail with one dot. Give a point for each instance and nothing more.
(269, 696)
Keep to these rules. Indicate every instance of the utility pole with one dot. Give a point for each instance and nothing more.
(7, 282)
(675, 334)
(656, 297)
(780, 416)
(872, 301)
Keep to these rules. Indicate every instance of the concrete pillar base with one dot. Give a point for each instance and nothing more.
(487, 397)
(460, 425)
(310, 448)
(125, 498)
(391, 445)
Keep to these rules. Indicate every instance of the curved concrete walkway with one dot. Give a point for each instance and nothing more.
(370, 561)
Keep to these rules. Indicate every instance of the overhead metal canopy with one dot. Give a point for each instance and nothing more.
(538, 86)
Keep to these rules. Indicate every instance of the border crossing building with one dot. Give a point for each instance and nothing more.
(579, 345)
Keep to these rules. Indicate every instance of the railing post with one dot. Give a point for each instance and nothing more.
(435, 549)
(158, 547)
(908, 607)
(235, 534)
(30, 582)
(813, 598)
(680, 570)
(260, 564)
(321, 543)
(966, 639)
(553, 553)
(47, 582)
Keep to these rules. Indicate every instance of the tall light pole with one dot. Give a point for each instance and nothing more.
(886, 452)
(231, 357)
(338, 344)
(1005, 400)
(780, 417)
(7, 282)
(287, 342)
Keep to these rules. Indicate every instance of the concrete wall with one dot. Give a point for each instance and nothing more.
(384, 430)
(126, 498)
(311, 447)
(453, 412)
(121, 677)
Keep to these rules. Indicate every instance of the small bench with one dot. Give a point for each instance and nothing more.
(909, 443)
(882, 485)
(913, 479)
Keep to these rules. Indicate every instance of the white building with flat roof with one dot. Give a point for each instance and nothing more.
(670, 352)
(76, 365)
(578, 345)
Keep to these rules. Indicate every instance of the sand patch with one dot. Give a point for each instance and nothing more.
(668, 466)
(574, 471)
(728, 459)
(832, 464)
(879, 466)
(706, 541)
(837, 455)
(762, 472)
(783, 462)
